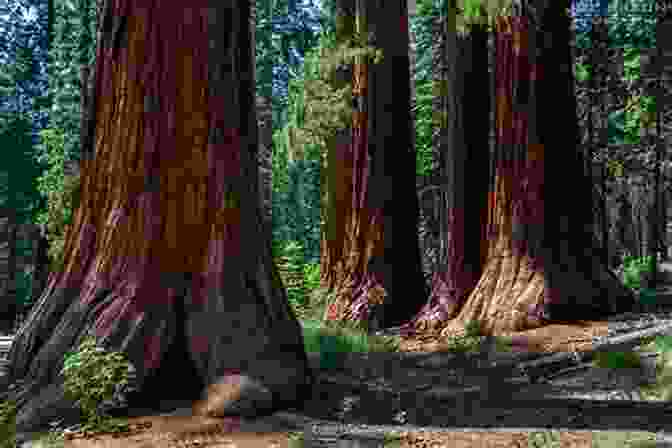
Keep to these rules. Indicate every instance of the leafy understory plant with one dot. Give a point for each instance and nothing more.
(60, 189)
(92, 377)
(634, 269)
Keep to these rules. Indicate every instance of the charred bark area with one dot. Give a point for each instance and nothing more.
(177, 379)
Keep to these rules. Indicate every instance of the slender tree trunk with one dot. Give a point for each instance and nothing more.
(166, 259)
(87, 80)
(412, 50)
(441, 59)
(540, 265)
(383, 168)
(264, 107)
(265, 114)
(40, 259)
(337, 168)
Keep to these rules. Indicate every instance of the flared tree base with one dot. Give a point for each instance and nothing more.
(514, 295)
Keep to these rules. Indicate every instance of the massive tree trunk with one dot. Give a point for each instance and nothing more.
(383, 168)
(463, 160)
(166, 259)
(540, 266)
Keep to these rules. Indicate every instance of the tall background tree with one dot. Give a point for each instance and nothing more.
(20, 80)
(373, 166)
(462, 118)
(541, 265)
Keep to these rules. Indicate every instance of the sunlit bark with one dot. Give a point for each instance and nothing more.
(382, 192)
(540, 265)
(462, 110)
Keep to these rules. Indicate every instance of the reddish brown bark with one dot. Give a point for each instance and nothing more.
(166, 259)
(383, 168)
(337, 174)
(463, 159)
(540, 265)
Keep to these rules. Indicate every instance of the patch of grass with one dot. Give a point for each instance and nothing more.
(320, 338)
(7, 424)
(617, 360)
(352, 336)
(633, 271)
(344, 337)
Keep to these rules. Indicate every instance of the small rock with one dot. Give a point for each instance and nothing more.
(234, 394)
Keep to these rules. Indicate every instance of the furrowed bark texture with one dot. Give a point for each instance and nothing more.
(381, 195)
(541, 265)
(462, 112)
(166, 259)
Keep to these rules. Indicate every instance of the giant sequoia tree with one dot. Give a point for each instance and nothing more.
(540, 263)
(165, 259)
(374, 181)
(461, 156)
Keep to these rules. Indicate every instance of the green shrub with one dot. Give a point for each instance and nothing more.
(91, 377)
(617, 360)
(634, 269)
(300, 279)
(311, 276)
(61, 192)
(289, 259)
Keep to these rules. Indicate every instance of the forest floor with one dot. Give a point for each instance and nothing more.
(425, 395)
